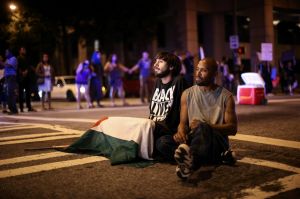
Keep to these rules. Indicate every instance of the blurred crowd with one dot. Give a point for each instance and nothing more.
(19, 80)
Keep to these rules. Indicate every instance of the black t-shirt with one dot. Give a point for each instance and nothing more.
(165, 103)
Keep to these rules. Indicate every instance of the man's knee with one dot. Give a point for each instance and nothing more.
(165, 142)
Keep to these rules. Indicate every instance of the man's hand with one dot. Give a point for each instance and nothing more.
(181, 135)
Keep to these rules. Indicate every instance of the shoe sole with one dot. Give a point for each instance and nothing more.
(182, 155)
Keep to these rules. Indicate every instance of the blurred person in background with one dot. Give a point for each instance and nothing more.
(188, 62)
(25, 76)
(45, 73)
(2, 90)
(144, 65)
(98, 74)
(83, 73)
(10, 82)
(114, 69)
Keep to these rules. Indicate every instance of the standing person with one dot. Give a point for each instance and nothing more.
(83, 73)
(45, 73)
(25, 75)
(115, 69)
(95, 88)
(223, 73)
(98, 75)
(10, 83)
(2, 89)
(144, 64)
(188, 62)
(165, 103)
(291, 78)
(207, 117)
(265, 70)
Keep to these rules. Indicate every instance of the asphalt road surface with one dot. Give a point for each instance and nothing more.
(267, 146)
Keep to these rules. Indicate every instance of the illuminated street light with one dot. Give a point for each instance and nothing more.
(12, 7)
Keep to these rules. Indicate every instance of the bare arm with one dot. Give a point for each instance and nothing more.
(106, 67)
(182, 131)
(123, 68)
(134, 68)
(230, 119)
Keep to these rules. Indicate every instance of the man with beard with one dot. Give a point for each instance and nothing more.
(207, 117)
(165, 104)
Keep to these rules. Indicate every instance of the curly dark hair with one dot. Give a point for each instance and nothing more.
(172, 61)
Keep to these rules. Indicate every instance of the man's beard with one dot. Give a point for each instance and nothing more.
(163, 73)
(203, 82)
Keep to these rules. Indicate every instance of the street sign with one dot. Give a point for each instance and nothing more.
(266, 51)
(234, 41)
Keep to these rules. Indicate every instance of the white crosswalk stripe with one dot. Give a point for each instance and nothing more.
(49, 166)
(63, 133)
(29, 158)
(38, 135)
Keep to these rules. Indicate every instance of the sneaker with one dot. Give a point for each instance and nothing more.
(184, 160)
(228, 157)
(30, 110)
(12, 113)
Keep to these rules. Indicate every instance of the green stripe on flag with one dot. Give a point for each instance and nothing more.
(98, 143)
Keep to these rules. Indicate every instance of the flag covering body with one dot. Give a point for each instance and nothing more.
(121, 139)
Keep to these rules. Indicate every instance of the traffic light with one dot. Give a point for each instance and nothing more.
(241, 50)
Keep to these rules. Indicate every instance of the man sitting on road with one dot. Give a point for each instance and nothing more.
(165, 104)
(207, 117)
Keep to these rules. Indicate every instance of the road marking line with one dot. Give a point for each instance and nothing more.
(39, 135)
(50, 166)
(266, 140)
(106, 108)
(39, 139)
(20, 127)
(283, 100)
(33, 157)
(286, 184)
(238, 136)
(53, 119)
(266, 163)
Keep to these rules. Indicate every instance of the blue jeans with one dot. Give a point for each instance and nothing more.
(11, 92)
(164, 144)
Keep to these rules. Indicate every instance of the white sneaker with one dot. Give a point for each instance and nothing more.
(184, 160)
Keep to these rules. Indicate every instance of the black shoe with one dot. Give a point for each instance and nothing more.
(228, 157)
(31, 110)
(4, 111)
(12, 113)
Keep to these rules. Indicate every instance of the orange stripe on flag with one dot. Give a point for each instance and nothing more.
(99, 121)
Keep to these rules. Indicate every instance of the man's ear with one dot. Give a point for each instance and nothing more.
(171, 68)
